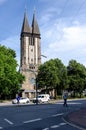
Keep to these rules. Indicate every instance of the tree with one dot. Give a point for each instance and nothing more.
(52, 74)
(76, 76)
(10, 78)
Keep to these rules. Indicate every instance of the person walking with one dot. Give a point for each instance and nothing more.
(18, 98)
(65, 96)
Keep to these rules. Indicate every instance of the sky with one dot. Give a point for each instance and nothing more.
(62, 26)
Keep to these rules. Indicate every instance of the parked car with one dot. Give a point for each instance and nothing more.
(42, 98)
(22, 101)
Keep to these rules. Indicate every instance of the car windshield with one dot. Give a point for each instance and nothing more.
(40, 96)
(23, 98)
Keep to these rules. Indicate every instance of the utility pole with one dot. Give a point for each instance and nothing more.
(36, 90)
(36, 84)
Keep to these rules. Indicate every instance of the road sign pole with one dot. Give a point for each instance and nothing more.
(36, 92)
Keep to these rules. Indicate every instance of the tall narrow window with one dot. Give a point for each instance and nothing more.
(32, 41)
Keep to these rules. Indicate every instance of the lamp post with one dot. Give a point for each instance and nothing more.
(44, 56)
(36, 90)
(36, 84)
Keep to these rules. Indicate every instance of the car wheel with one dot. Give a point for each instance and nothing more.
(27, 102)
(40, 101)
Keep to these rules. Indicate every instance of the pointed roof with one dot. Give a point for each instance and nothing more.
(35, 27)
(25, 26)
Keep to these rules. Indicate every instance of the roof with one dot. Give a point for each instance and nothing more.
(25, 27)
(35, 27)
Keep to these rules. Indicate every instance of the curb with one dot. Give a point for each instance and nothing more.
(73, 124)
(76, 122)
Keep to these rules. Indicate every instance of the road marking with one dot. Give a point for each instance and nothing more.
(75, 126)
(62, 124)
(38, 119)
(60, 114)
(69, 103)
(74, 103)
(11, 123)
(55, 126)
(45, 129)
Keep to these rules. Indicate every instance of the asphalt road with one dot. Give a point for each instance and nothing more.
(38, 117)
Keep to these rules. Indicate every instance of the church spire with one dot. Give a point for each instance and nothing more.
(25, 27)
(35, 27)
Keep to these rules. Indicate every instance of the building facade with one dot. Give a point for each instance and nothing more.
(30, 55)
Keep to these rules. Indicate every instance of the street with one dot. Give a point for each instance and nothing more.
(38, 117)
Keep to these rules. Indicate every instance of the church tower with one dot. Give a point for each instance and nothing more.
(30, 55)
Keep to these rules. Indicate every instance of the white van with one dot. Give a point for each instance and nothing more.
(42, 98)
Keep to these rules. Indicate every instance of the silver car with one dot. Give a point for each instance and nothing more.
(21, 101)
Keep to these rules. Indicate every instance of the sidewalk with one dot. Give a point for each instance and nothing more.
(6, 103)
(77, 119)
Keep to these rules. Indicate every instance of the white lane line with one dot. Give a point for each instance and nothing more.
(45, 129)
(11, 123)
(62, 124)
(55, 126)
(60, 114)
(69, 103)
(38, 119)
(1, 128)
(74, 103)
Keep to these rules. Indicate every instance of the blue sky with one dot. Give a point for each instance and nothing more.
(62, 25)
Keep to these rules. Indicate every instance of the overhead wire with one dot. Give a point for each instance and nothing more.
(64, 7)
(78, 10)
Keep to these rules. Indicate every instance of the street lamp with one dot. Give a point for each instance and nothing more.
(44, 56)
(36, 90)
(36, 84)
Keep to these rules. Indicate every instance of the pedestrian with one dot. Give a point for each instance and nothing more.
(18, 98)
(65, 96)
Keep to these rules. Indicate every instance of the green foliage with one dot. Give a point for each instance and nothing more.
(9, 77)
(52, 74)
(76, 76)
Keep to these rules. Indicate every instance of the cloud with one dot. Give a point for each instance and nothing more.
(49, 14)
(66, 42)
(72, 38)
(63, 31)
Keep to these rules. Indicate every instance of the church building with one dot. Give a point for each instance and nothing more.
(30, 55)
